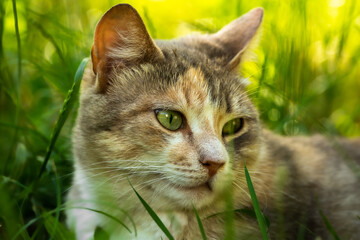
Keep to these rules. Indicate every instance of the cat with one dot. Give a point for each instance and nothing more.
(174, 119)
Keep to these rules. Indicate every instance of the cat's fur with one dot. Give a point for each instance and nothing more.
(118, 139)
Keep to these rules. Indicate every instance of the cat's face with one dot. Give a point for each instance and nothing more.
(171, 117)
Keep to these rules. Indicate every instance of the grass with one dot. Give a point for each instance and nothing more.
(201, 227)
(153, 215)
(329, 226)
(259, 215)
(305, 74)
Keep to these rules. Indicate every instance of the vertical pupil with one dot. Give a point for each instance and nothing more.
(171, 118)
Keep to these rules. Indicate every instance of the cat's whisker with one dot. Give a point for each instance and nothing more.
(85, 178)
(104, 173)
(140, 186)
(242, 190)
(111, 162)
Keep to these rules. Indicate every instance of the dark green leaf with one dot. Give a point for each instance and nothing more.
(329, 226)
(101, 234)
(64, 112)
(259, 216)
(153, 215)
(60, 232)
(201, 227)
(106, 214)
(244, 211)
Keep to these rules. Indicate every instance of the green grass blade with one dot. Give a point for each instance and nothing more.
(56, 229)
(301, 233)
(48, 36)
(200, 224)
(5, 179)
(64, 112)
(55, 223)
(107, 215)
(101, 234)
(251, 213)
(243, 211)
(18, 41)
(153, 215)
(259, 215)
(9, 215)
(47, 214)
(262, 77)
(329, 226)
(14, 141)
(358, 217)
(2, 20)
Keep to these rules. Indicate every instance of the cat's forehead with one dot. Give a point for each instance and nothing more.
(202, 83)
(193, 87)
(183, 81)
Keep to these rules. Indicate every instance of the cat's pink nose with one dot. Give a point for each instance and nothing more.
(213, 165)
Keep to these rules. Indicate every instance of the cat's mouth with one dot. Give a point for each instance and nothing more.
(199, 195)
(202, 187)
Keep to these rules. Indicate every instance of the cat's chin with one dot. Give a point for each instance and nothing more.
(189, 196)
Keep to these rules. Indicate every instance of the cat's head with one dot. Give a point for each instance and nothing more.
(172, 116)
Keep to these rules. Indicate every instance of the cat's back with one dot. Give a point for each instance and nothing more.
(351, 148)
(313, 149)
(321, 174)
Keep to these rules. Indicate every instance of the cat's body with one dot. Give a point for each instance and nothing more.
(119, 138)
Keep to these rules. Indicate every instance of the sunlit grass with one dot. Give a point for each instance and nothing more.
(305, 72)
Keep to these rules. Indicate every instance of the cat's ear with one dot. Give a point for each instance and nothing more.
(121, 40)
(235, 37)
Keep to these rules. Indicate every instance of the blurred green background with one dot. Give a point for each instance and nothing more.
(304, 71)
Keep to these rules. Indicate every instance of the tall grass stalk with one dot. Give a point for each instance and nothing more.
(329, 227)
(201, 227)
(259, 215)
(16, 84)
(153, 215)
(64, 112)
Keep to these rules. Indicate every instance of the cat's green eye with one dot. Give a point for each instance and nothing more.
(169, 119)
(233, 126)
